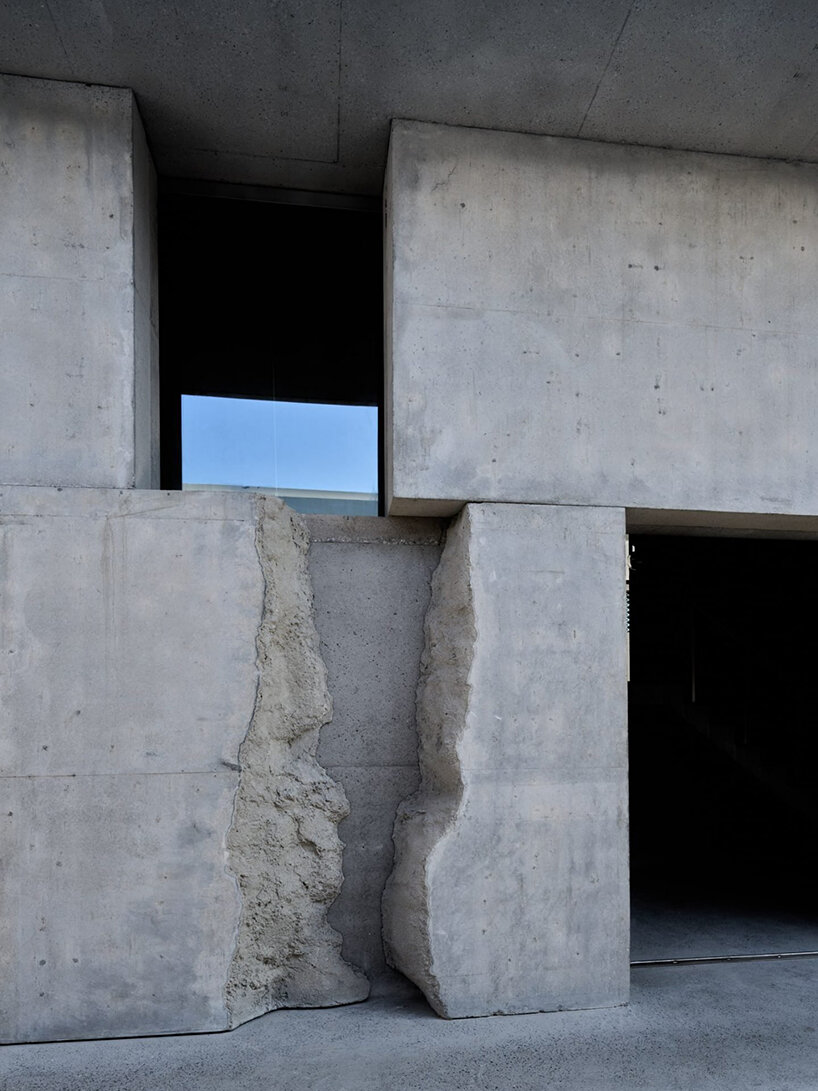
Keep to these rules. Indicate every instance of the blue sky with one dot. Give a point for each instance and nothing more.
(286, 445)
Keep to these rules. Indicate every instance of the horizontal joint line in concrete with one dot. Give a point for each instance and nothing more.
(426, 542)
(374, 765)
(120, 773)
(614, 319)
(52, 276)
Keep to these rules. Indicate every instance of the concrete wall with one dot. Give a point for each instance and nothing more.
(572, 322)
(78, 348)
(510, 887)
(371, 580)
(169, 841)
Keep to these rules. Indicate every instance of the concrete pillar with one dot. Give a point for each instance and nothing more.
(78, 310)
(510, 888)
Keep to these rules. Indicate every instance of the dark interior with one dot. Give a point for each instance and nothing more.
(722, 725)
(267, 299)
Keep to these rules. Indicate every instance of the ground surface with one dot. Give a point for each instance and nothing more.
(737, 1026)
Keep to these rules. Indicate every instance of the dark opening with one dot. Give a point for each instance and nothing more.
(723, 745)
(267, 299)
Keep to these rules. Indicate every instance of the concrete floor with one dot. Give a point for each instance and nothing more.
(661, 928)
(737, 1026)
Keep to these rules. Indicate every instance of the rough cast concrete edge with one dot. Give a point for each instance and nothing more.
(425, 819)
(283, 844)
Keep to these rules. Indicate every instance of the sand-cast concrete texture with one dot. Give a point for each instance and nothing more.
(283, 842)
(510, 887)
(371, 581)
(574, 322)
(152, 643)
(78, 310)
(747, 1027)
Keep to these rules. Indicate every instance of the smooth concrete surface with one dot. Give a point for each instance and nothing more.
(78, 306)
(371, 581)
(510, 887)
(129, 622)
(301, 94)
(747, 1027)
(575, 322)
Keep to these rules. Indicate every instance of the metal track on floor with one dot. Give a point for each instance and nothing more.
(723, 958)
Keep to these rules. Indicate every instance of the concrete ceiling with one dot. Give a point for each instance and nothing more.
(299, 93)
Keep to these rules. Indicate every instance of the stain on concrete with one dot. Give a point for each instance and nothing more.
(283, 843)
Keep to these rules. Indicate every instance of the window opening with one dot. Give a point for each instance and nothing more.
(316, 457)
(272, 305)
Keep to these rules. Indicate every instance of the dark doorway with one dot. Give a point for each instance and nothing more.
(723, 728)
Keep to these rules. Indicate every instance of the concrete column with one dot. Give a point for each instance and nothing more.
(78, 309)
(510, 887)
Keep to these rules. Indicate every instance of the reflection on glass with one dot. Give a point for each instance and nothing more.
(318, 458)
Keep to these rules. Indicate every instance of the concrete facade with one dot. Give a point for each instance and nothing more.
(576, 333)
(510, 888)
(137, 889)
(583, 323)
(78, 313)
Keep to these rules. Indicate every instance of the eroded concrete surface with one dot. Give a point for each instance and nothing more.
(283, 843)
(510, 888)
(153, 645)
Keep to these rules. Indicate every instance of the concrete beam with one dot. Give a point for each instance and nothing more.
(582, 323)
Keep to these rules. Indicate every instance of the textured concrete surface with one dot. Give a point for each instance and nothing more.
(510, 886)
(703, 1028)
(574, 322)
(283, 841)
(371, 580)
(78, 306)
(129, 627)
(301, 93)
(143, 634)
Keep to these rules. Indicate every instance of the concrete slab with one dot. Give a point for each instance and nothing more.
(572, 322)
(75, 411)
(510, 886)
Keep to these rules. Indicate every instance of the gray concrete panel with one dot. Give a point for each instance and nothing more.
(510, 888)
(160, 703)
(268, 69)
(116, 911)
(301, 94)
(371, 583)
(128, 647)
(146, 313)
(371, 579)
(374, 794)
(718, 76)
(71, 342)
(163, 677)
(573, 322)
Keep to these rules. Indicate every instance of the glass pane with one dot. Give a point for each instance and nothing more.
(318, 458)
